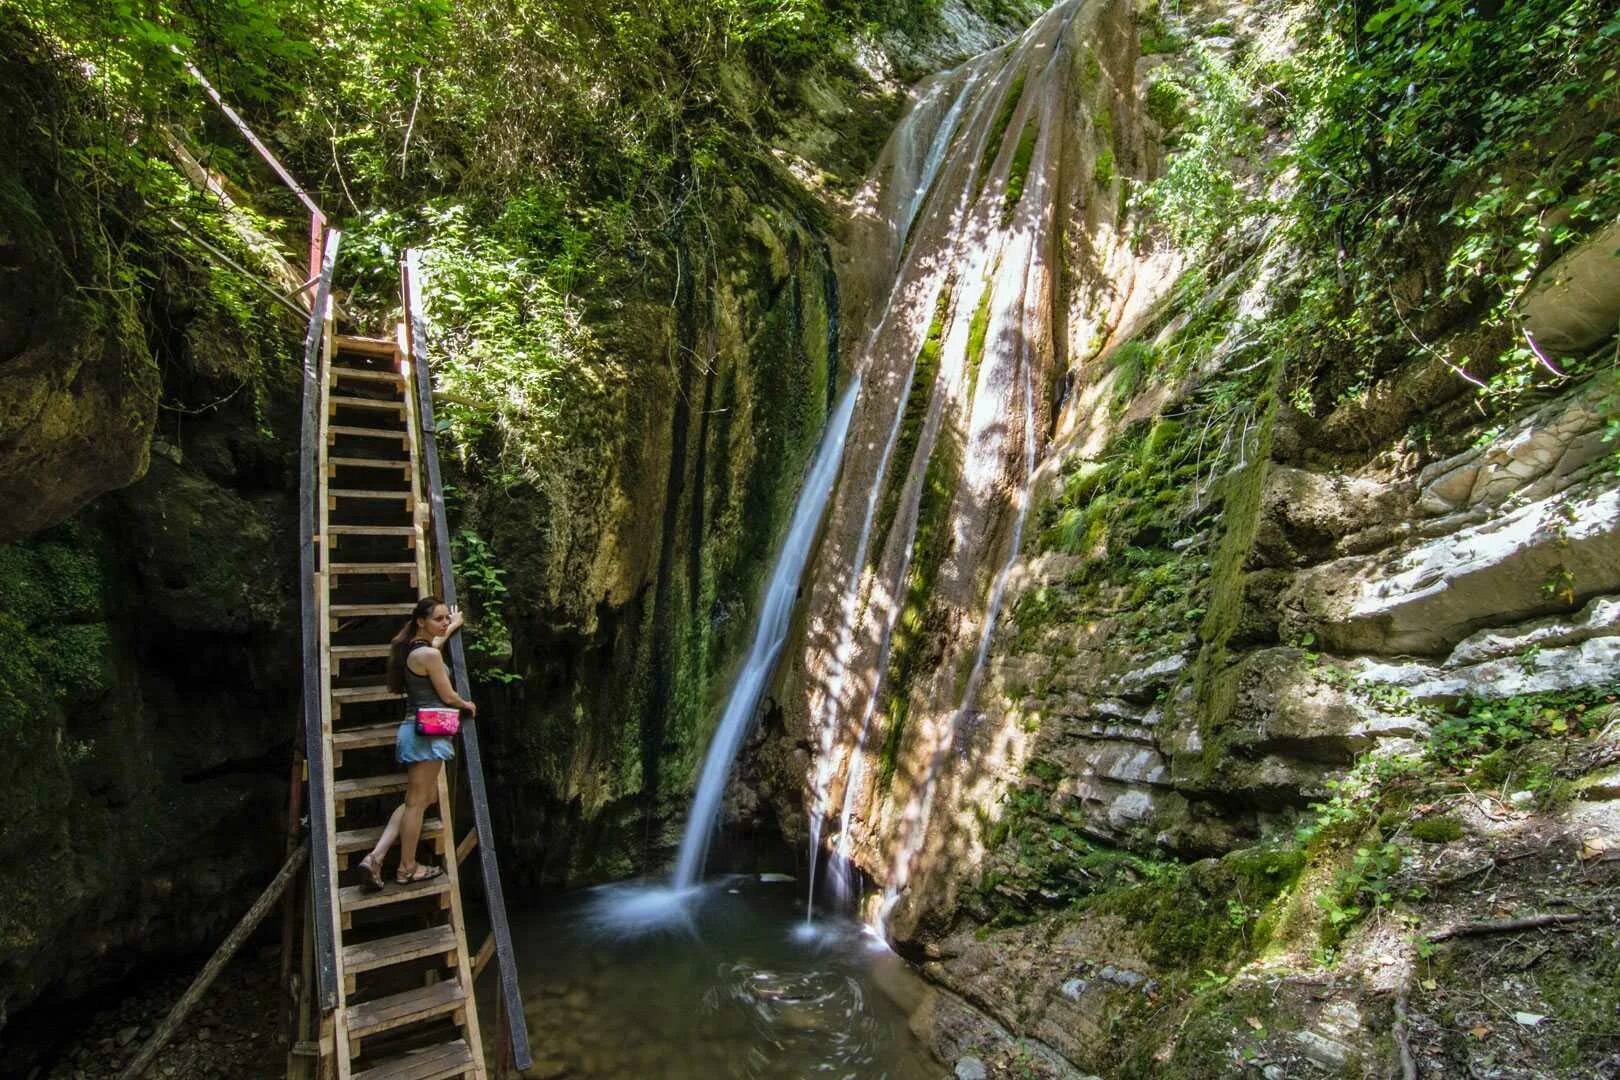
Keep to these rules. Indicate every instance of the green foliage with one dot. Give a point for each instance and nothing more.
(1437, 830)
(1168, 102)
(1367, 886)
(1131, 363)
(1203, 198)
(1479, 727)
(488, 640)
(1498, 126)
(978, 332)
(1153, 35)
(1187, 919)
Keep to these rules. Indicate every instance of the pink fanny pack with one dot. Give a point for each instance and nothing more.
(438, 721)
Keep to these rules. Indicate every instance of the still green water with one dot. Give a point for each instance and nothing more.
(728, 983)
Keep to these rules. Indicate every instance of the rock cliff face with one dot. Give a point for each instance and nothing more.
(150, 563)
(632, 591)
(1224, 596)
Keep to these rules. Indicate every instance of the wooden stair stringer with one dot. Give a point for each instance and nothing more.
(360, 1014)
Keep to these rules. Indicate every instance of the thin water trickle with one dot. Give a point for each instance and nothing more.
(769, 635)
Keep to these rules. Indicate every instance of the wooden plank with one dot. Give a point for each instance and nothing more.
(433, 1063)
(485, 951)
(371, 530)
(313, 619)
(359, 652)
(494, 897)
(413, 443)
(370, 735)
(407, 569)
(352, 840)
(410, 1007)
(338, 1016)
(370, 493)
(353, 695)
(399, 949)
(334, 430)
(368, 345)
(390, 464)
(359, 898)
(336, 402)
(367, 787)
(452, 871)
(465, 848)
(365, 374)
(353, 611)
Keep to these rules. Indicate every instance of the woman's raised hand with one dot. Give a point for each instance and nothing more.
(455, 621)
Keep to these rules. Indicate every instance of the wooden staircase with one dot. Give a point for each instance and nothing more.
(405, 1008)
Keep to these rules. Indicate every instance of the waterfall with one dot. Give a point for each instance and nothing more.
(770, 634)
(954, 213)
(1031, 229)
(910, 193)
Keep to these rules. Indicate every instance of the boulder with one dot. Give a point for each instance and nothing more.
(1430, 595)
(1575, 303)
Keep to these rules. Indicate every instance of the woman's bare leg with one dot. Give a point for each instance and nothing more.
(390, 833)
(421, 792)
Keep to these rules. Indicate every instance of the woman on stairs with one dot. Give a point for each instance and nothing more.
(416, 669)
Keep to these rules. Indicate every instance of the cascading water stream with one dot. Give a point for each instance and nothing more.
(827, 723)
(769, 636)
(914, 823)
(974, 227)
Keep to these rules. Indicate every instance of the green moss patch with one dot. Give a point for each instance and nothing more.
(917, 639)
(998, 132)
(1018, 176)
(923, 376)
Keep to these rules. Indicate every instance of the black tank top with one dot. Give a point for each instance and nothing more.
(419, 691)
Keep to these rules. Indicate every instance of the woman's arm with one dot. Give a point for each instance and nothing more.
(455, 624)
(439, 675)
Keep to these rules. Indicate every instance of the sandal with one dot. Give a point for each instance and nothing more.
(374, 879)
(422, 872)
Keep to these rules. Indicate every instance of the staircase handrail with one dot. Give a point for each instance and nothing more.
(320, 848)
(317, 216)
(494, 898)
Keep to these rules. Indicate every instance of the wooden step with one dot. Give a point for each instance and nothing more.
(359, 652)
(364, 787)
(350, 841)
(372, 346)
(399, 949)
(353, 695)
(369, 463)
(354, 611)
(342, 401)
(358, 897)
(372, 530)
(411, 1007)
(407, 568)
(334, 430)
(433, 1063)
(365, 374)
(366, 493)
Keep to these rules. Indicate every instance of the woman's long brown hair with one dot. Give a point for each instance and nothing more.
(400, 648)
